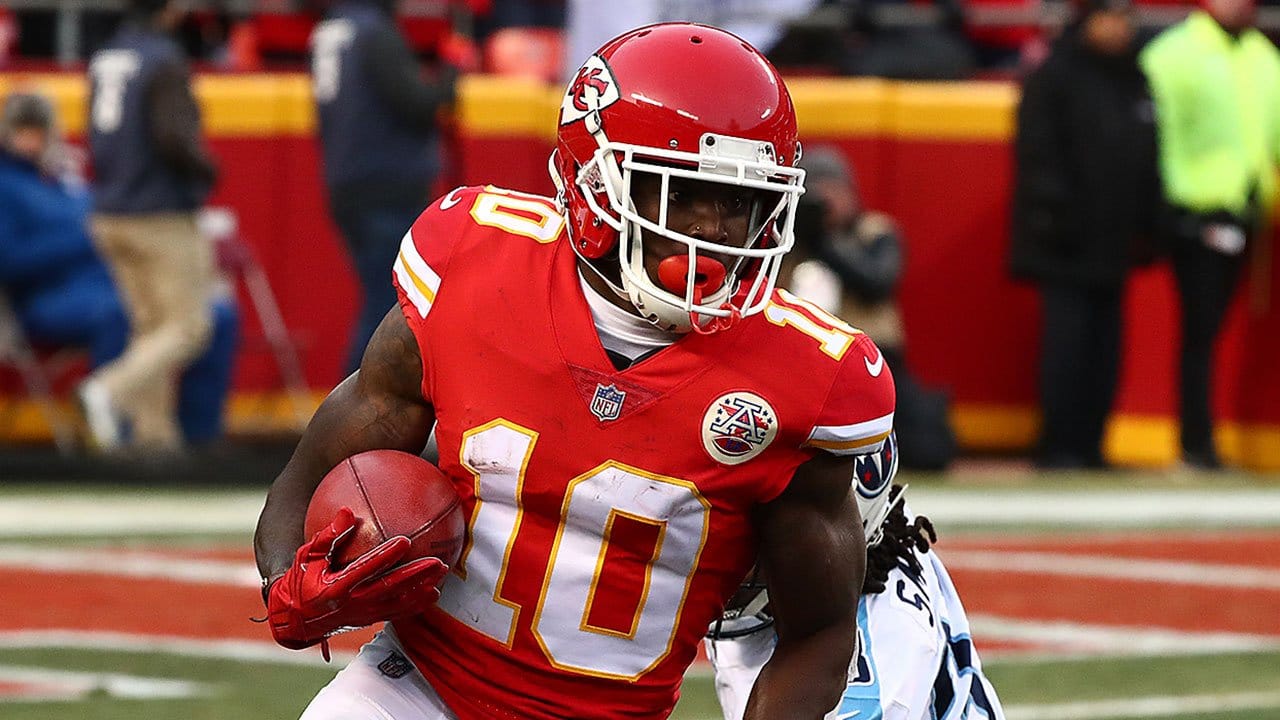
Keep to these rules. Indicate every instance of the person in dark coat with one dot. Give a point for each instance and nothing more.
(1086, 205)
(152, 173)
(379, 141)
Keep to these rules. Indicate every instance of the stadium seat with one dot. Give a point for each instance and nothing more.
(37, 376)
(237, 262)
(534, 52)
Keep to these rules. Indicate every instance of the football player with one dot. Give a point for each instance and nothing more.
(631, 412)
(915, 657)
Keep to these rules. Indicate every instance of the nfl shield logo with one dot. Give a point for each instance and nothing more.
(607, 402)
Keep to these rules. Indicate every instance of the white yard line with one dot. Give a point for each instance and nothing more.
(1072, 640)
(67, 685)
(32, 514)
(1119, 568)
(1098, 507)
(243, 650)
(1157, 706)
(125, 563)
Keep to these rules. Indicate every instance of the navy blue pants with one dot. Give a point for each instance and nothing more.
(372, 227)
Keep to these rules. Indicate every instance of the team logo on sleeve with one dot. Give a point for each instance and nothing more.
(606, 404)
(737, 427)
(875, 470)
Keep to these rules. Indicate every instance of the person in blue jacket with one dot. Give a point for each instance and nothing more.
(59, 287)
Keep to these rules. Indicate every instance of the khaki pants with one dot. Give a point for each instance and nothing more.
(163, 269)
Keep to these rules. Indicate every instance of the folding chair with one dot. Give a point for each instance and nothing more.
(16, 352)
(237, 260)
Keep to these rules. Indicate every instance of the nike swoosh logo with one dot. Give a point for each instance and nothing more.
(451, 199)
(846, 716)
(874, 368)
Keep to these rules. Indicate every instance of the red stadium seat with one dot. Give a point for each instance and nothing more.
(525, 52)
(37, 375)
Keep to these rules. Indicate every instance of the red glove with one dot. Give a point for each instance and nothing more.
(313, 600)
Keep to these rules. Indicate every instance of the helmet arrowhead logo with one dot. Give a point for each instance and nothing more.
(588, 77)
(592, 89)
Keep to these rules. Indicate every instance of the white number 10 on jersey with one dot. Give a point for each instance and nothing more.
(669, 513)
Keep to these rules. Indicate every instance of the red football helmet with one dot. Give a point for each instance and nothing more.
(685, 101)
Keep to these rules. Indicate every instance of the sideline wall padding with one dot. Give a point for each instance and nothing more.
(937, 156)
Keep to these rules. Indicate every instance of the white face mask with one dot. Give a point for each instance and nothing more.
(710, 295)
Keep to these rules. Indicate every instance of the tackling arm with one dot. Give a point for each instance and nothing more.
(378, 406)
(814, 554)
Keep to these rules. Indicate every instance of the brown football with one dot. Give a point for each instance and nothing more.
(391, 493)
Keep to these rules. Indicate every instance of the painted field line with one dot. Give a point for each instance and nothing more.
(1098, 507)
(242, 650)
(1070, 640)
(1135, 569)
(35, 515)
(1157, 706)
(64, 685)
(30, 514)
(128, 563)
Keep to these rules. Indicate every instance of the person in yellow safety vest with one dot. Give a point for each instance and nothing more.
(1215, 80)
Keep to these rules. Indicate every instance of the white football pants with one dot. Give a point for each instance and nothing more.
(380, 684)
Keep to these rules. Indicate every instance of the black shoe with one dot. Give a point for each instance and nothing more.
(1207, 460)
(1061, 461)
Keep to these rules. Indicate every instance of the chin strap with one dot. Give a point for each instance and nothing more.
(716, 323)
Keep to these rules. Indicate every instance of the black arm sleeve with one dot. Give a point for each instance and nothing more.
(395, 76)
(175, 123)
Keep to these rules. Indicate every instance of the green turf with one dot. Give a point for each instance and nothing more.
(265, 690)
(1094, 679)
(242, 690)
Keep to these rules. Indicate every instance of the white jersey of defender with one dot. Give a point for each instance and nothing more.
(915, 657)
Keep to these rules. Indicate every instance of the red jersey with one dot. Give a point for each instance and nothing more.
(610, 511)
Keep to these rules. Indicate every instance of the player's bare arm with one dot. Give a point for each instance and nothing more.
(378, 406)
(813, 552)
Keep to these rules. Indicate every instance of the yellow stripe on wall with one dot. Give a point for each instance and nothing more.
(261, 105)
(233, 105)
(968, 111)
(256, 105)
(995, 427)
(492, 106)
(1138, 441)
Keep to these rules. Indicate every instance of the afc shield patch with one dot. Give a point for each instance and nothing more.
(606, 404)
(737, 427)
(395, 666)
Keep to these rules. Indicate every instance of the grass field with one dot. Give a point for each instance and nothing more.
(1117, 596)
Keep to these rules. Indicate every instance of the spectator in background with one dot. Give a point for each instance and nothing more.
(379, 141)
(518, 14)
(47, 263)
(1216, 83)
(153, 172)
(1085, 207)
(848, 261)
(57, 285)
(590, 23)
(931, 50)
